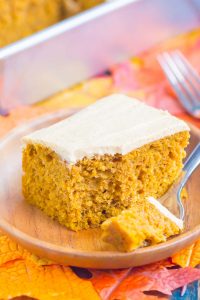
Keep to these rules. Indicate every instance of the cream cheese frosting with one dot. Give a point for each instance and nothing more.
(163, 210)
(114, 124)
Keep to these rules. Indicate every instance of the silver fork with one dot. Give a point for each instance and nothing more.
(184, 80)
(174, 194)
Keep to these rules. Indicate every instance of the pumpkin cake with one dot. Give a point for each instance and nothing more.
(102, 160)
(20, 18)
(146, 223)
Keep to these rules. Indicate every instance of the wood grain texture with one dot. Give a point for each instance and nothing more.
(44, 237)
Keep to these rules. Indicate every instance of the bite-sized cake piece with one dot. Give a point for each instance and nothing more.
(102, 160)
(147, 223)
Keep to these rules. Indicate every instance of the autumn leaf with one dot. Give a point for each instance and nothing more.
(10, 250)
(166, 280)
(133, 287)
(106, 281)
(23, 273)
(124, 77)
(133, 283)
(189, 256)
(53, 282)
(195, 258)
(98, 87)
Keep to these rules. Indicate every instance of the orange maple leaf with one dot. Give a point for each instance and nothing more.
(10, 250)
(106, 281)
(23, 273)
(189, 256)
(52, 282)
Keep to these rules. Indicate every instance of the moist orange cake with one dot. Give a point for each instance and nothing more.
(147, 223)
(102, 160)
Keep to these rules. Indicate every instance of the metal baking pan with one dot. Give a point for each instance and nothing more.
(84, 45)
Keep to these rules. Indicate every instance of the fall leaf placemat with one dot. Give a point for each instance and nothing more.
(24, 274)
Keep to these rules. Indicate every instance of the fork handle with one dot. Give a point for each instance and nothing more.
(190, 165)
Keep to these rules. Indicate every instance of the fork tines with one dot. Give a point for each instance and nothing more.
(184, 80)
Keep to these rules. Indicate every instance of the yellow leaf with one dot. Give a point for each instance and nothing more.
(23, 273)
(195, 259)
(37, 260)
(189, 256)
(80, 95)
(98, 87)
(137, 61)
(67, 99)
(53, 282)
(9, 251)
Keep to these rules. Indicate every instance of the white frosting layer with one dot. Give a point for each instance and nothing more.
(166, 212)
(114, 124)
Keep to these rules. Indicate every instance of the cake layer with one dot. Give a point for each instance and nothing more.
(115, 124)
(85, 194)
(147, 223)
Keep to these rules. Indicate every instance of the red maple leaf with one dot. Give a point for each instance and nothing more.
(133, 283)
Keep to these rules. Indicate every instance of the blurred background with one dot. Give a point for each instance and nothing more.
(50, 45)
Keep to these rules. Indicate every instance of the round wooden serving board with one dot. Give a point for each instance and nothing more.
(46, 238)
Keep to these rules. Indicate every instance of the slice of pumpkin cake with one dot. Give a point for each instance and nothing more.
(102, 160)
(147, 223)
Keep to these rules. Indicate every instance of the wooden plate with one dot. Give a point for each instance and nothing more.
(46, 238)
